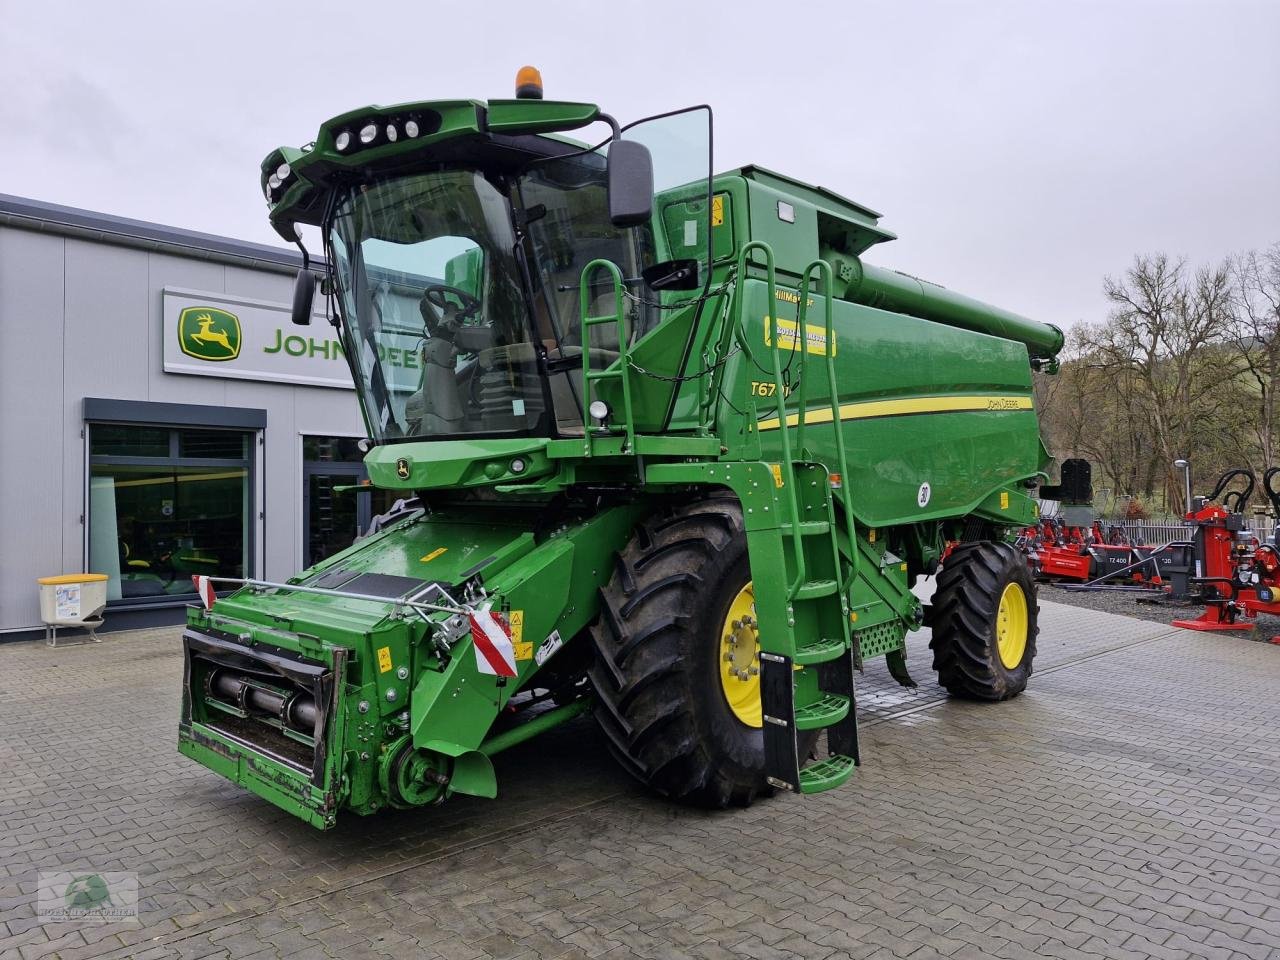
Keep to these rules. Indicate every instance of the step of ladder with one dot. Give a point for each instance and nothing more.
(808, 528)
(814, 589)
(822, 713)
(827, 774)
(819, 651)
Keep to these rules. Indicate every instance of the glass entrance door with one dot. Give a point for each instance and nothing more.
(333, 514)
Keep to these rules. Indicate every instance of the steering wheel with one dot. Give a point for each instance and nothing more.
(437, 295)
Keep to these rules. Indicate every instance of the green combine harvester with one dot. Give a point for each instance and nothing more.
(671, 453)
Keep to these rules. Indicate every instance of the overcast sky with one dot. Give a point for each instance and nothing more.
(1020, 150)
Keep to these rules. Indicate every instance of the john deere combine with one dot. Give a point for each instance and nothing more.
(672, 453)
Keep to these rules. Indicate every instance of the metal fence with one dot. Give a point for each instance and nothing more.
(1158, 534)
(1166, 530)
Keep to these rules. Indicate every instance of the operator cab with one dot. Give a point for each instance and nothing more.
(455, 261)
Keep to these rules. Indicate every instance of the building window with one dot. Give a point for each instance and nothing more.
(338, 504)
(166, 504)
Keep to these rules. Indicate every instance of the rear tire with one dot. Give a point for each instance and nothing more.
(985, 622)
(656, 672)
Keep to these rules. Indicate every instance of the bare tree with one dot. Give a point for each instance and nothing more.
(1256, 334)
(1164, 344)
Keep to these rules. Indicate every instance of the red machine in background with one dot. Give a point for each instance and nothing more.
(1230, 570)
(1059, 552)
(1073, 546)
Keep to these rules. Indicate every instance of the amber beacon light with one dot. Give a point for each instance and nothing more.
(528, 84)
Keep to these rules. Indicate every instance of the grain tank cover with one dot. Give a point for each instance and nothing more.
(858, 225)
(847, 229)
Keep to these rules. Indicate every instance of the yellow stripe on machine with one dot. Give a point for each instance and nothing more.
(868, 409)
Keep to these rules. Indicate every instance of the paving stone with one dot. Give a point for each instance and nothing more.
(1126, 806)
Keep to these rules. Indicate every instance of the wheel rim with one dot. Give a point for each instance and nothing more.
(1011, 626)
(740, 658)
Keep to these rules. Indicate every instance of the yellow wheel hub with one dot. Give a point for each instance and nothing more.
(740, 658)
(1011, 626)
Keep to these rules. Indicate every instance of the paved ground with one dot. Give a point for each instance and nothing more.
(1127, 806)
(1151, 605)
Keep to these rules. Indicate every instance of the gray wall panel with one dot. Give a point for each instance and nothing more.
(33, 516)
(278, 288)
(105, 354)
(107, 322)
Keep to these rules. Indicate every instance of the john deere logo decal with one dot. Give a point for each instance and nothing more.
(402, 468)
(208, 333)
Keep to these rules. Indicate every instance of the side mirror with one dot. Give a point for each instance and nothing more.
(630, 183)
(304, 293)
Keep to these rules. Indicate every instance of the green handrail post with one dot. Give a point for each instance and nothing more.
(624, 355)
(787, 467)
(842, 460)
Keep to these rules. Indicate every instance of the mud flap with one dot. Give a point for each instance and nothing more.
(777, 693)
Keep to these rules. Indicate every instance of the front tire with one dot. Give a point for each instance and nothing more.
(661, 699)
(985, 622)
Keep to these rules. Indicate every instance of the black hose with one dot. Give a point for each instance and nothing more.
(1226, 478)
(1272, 493)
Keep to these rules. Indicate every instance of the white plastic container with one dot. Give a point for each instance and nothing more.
(72, 600)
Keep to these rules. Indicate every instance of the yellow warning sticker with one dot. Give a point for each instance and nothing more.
(433, 554)
(777, 473)
(871, 535)
(524, 651)
(515, 620)
(1004, 500)
(717, 210)
(384, 659)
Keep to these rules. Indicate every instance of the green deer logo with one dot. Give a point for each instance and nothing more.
(208, 333)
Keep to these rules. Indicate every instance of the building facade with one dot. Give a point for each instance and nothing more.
(161, 417)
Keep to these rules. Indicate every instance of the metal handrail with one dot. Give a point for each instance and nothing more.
(623, 361)
(787, 467)
(410, 602)
(824, 271)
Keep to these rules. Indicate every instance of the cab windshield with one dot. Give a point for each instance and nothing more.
(460, 292)
(437, 326)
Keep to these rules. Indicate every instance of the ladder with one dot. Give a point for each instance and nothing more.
(807, 653)
(616, 371)
(807, 647)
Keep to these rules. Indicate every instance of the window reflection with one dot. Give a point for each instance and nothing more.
(165, 505)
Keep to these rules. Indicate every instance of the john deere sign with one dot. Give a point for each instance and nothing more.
(213, 335)
(208, 333)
